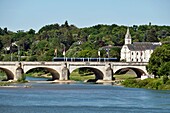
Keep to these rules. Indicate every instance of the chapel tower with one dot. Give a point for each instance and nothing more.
(128, 39)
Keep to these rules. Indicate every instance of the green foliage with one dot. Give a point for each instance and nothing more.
(164, 69)
(77, 77)
(154, 84)
(124, 76)
(3, 76)
(165, 79)
(87, 54)
(157, 84)
(151, 35)
(4, 83)
(22, 81)
(129, 83)
(115, 52)
(159, 63)
(78, 42)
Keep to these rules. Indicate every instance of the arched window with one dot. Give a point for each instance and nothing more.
(141, 53)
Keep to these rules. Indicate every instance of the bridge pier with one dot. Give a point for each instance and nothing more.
(108, 73)
(19, 74)
(64, 72)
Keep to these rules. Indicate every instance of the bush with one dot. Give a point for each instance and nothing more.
(166, 87)
(129, 83)
(157, 84)
(168, 82)
(154, 84)
(143, 83)
(165, 79)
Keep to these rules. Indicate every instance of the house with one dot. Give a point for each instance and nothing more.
(137, 51)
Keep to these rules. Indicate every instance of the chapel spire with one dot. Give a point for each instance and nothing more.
(128, 39)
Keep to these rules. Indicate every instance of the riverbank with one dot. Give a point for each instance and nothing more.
(4, 84)
(162, 83)
(11, 83)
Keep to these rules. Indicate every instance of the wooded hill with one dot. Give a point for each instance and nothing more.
(77, 42)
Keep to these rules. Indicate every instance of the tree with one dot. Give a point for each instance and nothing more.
(31, 31)
(164, 70)
(159, 61)
(1, 32)
(151, 35)
(83, 42)
(88, 54)
(66, 24)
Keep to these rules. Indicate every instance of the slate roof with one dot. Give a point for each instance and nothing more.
(142, 46)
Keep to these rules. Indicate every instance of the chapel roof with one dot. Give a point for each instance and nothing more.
(142, 46)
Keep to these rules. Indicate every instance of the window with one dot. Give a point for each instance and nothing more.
(137, 53)
(132, 59)
(137, 60)
(141, 53)
(132, 53)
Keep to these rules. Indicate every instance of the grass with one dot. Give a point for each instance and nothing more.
(38, 75)
(124, 76)
(3, 76)
(80, 77)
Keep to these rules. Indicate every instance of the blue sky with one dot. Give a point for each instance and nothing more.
(27, 14)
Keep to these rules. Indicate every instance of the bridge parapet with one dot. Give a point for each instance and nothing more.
(129, 63)
(8, 63)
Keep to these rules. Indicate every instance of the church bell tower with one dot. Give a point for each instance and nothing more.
(128, 39)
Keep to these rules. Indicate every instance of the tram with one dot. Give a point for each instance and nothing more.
(60, 59)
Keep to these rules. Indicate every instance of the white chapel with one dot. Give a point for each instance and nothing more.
(137, 51)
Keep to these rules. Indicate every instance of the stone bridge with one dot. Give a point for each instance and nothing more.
(62, 70)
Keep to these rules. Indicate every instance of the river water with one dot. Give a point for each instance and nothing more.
(46, 97)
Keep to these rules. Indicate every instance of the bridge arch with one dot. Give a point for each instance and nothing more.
(138, 71)
(98, 73)
(54, 72)
(9, 73)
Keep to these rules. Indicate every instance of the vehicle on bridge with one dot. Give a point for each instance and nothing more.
(58, 59)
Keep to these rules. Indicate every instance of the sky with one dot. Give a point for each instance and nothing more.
(34, 14)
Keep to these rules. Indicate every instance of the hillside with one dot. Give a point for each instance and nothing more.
(52, 40)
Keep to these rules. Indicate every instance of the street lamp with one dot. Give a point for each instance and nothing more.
(18, 51)
(19, 54)
(99, 55)
(64, 52)
(55, 52)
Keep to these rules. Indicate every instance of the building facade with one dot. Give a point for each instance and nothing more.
(137, 51)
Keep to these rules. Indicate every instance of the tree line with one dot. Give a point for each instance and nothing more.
(52, 40)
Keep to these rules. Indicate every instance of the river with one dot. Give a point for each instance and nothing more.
(46, 97)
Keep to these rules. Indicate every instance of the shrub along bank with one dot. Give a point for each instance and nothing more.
(162, 83)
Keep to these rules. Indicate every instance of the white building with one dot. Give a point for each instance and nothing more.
(138, 51)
